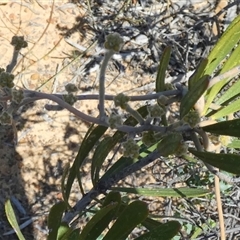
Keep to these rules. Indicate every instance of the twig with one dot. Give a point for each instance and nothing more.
(106, 59)
(13, 63)
(219, 207)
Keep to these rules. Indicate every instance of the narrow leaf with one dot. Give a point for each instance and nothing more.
(118, 166)
(161, 74)
(232, 62)
(150, 223)
(101, 225)
(90, 139)
(231, 36)
(98, 222)
(74, 235)
(164, 192)
(224, 45)
(54, 219)
(229, 109)
(234, 144)
(12, 219)
(198, 73)
(232, 91)
(63, 231)
(226, 162)
(100, 154)
(165, 231)
(63, 189)
(134, 214)
(229, 128)
(193, 95)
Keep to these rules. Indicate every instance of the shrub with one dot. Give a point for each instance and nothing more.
(202, 117)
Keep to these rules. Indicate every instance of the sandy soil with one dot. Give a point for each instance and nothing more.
(31, 171)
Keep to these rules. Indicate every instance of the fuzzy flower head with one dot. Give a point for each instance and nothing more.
(18, 42)
(130, 148)
(113, 42)
(156, 110)
(5, 118)
(6, 79)
(121, 100)
(70, 98)
(192, 118)
(17, 95)
(115, 121)
(70, 87)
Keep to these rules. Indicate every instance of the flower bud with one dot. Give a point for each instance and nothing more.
(182, 149)
(156, 110)
(225, 140)
(70, 87)
(5, 118)
(148, 138)
(130, 148)
(121, 100)
(17, 95)
(192, 118)
(113, 42)
(18, 42)
(115, 121)
(70, 98)
(6, 79)
(162, 100)
(169, 86)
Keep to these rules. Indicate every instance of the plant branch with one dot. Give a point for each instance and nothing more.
(106, 184)
(107, 57)
(29, 93)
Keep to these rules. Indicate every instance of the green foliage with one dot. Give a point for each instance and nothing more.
(54, 220)
(164, 192)
(169, 144)
(112, 217)
(193, 95)
(12, 219)
(227, 162)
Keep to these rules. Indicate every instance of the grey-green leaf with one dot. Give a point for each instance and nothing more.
(90, 139)
(161, 74)
(165, 231)
(54, 219)
(230, 128)
(198, 73)
(12, 219)
(133, 214)
(192, 96)
(226, 162)
(164, 192)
